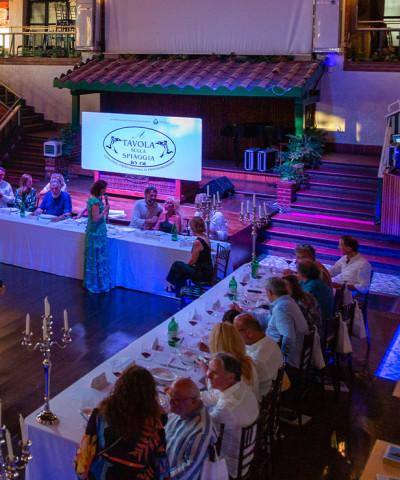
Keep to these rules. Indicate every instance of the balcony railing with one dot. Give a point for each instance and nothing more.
(10, 113)
(51, 41)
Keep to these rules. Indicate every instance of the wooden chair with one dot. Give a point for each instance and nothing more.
(347, 313)
(362, 299)
(248, 442)
(192, 292)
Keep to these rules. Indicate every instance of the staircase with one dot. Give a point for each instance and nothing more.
(341, 200)
(26, 152)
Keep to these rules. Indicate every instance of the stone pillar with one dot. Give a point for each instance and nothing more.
(286, 192)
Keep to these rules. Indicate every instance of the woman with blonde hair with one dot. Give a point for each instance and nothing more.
(26, 193)
(54, 176)
(171, 215)
(225, 338)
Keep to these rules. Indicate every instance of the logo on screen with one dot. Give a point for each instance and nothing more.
(139, 147)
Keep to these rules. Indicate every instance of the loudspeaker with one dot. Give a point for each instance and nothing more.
(266, 159)
(250, 157)
(221, 184)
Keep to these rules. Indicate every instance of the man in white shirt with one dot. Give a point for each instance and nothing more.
(352, 268)
(232, 403)
(264, 351)
(6, 191)
(218, 224)
(146, 212)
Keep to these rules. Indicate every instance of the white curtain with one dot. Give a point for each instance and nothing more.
(246, 27)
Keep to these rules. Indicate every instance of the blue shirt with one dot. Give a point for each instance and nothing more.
(322, 293)
(287, 320)
(56, 206)
(188, 439)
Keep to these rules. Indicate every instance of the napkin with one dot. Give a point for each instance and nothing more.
(246, 277)
(217, 305)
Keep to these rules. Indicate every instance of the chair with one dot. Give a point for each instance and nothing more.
(362, 299)
(347, 313)
(248, 442)
(192, 292)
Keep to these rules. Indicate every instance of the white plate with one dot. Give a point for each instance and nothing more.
(46, 216)
(163, 374)
(188, 356)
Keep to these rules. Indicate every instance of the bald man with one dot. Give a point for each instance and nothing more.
(263, 350)
(189, 430)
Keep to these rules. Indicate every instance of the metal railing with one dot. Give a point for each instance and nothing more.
(51, 41)
(10, 119)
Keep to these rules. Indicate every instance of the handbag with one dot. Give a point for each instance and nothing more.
(214, 470)
(358, 322)
(343, 341)
(317, 359)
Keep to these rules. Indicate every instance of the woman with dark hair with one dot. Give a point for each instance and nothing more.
(200, 267)
(97, 269)
(125, 438)
(26, 193)
(307, 303)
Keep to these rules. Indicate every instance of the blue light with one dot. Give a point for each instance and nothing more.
(331, 59)
(390, 365)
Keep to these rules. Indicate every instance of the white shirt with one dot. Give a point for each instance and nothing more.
(235, 407)
(218, 224)
(8, 195)
(268, 358)
(357, 272)
(142, 211)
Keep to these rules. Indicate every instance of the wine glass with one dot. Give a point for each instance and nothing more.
(146, 350)
(117, 367)
(210, 308)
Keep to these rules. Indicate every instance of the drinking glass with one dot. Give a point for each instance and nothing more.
(146, 350)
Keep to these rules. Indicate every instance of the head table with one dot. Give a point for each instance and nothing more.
(54, 447)
(140, 260)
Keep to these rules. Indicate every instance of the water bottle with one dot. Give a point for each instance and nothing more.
(174, 233)
(233, 288)
(172, 333)
(254, 267)
(22, 208)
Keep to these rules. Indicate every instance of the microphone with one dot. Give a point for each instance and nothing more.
(106, 198)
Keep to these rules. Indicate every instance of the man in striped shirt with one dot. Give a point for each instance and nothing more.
(189, 430)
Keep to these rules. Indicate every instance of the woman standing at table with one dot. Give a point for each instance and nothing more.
(171, 215)
(97, 268)
(26, 193)
(200, 267)
(124, 437)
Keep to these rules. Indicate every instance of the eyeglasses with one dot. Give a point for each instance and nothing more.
(242, 329)
(179, 400)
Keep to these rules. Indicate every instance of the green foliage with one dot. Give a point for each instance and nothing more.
(66, 136)
(307, 149)
(292, 172)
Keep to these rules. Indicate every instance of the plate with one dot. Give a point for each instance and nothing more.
(188, 357)
(46, 216)
(163, 374)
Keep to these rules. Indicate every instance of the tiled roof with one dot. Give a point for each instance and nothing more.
(225, 77)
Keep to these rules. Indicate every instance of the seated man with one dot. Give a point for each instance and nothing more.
(189, 430)
(146, 211)
(218, 224)
(311, 282)
(352, 268)
(6, 191)
(286, 320)
(232, 403)
(56, 203)
(308, 251)
(264, 351)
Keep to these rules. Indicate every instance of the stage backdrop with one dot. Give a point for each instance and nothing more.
(250, 27)
(167, 147)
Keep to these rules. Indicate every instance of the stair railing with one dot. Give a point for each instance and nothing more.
(10, 121)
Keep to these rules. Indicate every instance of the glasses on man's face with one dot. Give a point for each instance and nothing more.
(179, 400)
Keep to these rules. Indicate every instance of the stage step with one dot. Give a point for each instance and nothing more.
(340, 186)
(332, 198)
(360, 213)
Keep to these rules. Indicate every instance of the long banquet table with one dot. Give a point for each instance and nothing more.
(54, 447)
(140, 259)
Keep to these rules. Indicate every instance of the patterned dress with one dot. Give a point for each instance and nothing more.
(30, 199)
(97, 269)
(103, 455)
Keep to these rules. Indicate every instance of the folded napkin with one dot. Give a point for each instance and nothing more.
(195, 315)
(217, 305)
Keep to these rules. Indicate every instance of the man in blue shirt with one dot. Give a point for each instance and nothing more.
(286, 320)
(56, 203)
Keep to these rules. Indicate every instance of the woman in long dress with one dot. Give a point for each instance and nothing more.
(97, 269)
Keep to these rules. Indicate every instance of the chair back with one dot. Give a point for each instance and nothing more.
(248, 441)
(332, 333)
(347, 312)
(277, 383)
(221, 263)
(306, 353)
(216, 447)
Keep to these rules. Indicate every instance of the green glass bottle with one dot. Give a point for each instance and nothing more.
(254, 267)
(22, 208)
(233, 289)
(174, 233)
(172, 333)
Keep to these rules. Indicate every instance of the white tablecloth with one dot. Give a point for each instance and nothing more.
(54, 447)
(140, 259)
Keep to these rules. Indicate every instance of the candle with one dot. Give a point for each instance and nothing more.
(248, 206)
(46, 307)
(208, 190)
(22, 426)
(241, 208)
(265, 209)
(44, 328)
(254, 200)
(214, 200)
(27, 324)
(259, 211)
(9, 447)
(218, 196)
(65, 320)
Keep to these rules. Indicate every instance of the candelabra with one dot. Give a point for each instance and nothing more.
(207, 205)
(11, 464)
(256, 221)
(46, 416)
